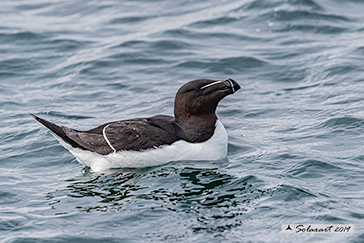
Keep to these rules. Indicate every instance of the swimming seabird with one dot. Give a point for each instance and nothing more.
(194, 133)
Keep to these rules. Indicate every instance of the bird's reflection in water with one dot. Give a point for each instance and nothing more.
(164, 185)
(214, 199)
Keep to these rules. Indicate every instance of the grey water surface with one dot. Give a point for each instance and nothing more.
(296, 128)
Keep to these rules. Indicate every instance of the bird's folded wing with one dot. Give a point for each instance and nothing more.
(129, 135)
(136, 135)
(90, 141)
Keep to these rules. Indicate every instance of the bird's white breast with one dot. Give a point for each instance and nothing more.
(213, 149)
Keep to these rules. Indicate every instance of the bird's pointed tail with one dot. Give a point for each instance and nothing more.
(57, 130)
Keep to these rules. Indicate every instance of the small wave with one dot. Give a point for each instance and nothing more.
(262, 5)
(340, 70)
(129, 19)
(157, 46)
(306, 3)
(193, 64)
(313, 28)
(118, 86)
(21, 36)
(287, 73)
(129, 44)
(359, 50)
(313, 169)
(236, 146)
(258, 112)
(147, 61)
(244, 183)
(287, 156)
(295, 15)
(13, 65)
(289, 193)
(258, 5)
(10, 105)
(241, 63)
(189, 34)
(69, 10)
(32, 6)
(343, 122)
(6, 75)
(214, 22)
(303, 87)
(59, 114)
(229, 65)
(65, 45)
(8, 198)
(13, 222)
(169, 45)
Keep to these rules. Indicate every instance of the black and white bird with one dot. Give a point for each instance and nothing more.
(194, 133)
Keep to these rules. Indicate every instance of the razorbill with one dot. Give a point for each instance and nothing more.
(194, 133)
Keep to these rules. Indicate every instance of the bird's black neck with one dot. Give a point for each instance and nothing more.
(196, 129)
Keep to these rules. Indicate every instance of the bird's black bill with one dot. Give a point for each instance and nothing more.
(232, 85)
(227, 86)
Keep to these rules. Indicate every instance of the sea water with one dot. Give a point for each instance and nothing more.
(296, 128)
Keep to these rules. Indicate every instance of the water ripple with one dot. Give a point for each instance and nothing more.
(295, 128)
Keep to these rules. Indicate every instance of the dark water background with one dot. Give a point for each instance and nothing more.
(295, 129)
